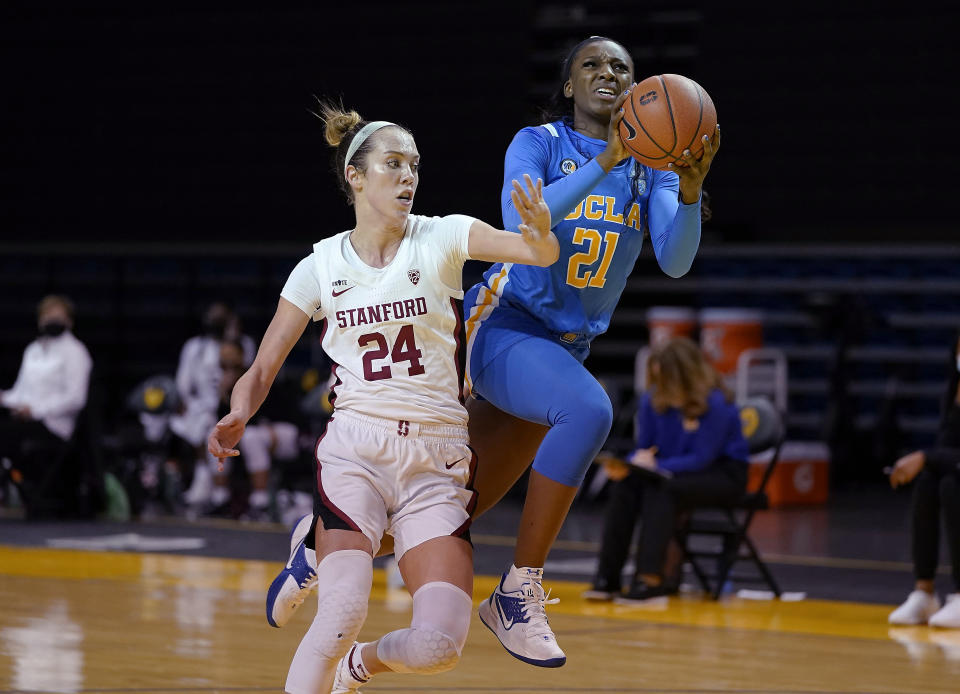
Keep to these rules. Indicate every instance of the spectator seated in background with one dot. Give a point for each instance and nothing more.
(153, 456)
(690, 452)
(198, 379)
(271, 434)
(51, 387)
(936, 492)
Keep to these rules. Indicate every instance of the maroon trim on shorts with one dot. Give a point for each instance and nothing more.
(472, 504)
(333, 388)
(460, 354)
(331, 509)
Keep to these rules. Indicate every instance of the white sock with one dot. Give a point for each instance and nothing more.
(219, 495)
(357, 672)
(259, 498)
(517, 576)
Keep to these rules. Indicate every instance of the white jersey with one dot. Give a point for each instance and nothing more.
(393, 333)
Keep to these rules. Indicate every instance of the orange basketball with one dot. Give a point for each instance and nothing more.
(665, 115)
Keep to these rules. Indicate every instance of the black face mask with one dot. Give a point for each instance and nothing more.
(215, 328)
(53, 329)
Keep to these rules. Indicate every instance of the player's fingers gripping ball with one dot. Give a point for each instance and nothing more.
(664, 116)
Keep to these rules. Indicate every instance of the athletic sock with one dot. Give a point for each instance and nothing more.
(259, 498)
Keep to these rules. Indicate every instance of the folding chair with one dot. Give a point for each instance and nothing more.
(763, 430)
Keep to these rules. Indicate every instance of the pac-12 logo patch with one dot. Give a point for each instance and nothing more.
(568, 166)
(414, 276)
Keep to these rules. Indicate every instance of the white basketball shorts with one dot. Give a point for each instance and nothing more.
(411, 480)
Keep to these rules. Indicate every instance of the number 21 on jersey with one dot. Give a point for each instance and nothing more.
(580, 278)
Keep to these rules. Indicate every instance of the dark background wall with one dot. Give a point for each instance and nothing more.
(151, 123)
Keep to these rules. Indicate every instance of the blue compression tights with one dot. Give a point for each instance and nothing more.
(538, 380)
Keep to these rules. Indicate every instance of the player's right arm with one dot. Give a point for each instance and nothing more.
(529, 154)
(251, 390)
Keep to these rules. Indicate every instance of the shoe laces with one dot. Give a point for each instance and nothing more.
(301, 595)
(534, 602)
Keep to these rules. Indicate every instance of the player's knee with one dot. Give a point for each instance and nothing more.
(424, 652)
(341, 613)
(433, 652)
(595, 413)
(344, 577)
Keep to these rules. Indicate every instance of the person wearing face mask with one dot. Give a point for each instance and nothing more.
(198, 383)
(51, 386)
(935, 473)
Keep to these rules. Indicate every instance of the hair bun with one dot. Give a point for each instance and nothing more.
(337, 122)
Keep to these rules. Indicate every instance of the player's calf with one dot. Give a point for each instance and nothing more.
(347, 576)
(432, 644)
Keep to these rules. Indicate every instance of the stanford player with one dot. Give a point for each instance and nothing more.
(395, 457)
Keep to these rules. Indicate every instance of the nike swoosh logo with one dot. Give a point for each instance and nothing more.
(293, 554)
(507, 623)
(450, 465)
(343, 291)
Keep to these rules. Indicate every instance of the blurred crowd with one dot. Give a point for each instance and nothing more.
(59, 459)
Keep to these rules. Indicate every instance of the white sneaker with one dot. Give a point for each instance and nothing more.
(916, 609)
(201, 487)
(350, 673)
(515, 614)
(296, 580)
(949, 616)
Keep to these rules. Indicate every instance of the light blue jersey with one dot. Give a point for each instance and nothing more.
(529, 328)
(599, 219)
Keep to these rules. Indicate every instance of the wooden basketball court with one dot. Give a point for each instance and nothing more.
(74, 621)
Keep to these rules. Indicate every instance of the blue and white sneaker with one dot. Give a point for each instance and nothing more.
(296, 580)
(515, 614)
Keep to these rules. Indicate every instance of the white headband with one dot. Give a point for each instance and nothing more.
(358, 139)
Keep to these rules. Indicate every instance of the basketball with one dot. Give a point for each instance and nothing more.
(665, 115)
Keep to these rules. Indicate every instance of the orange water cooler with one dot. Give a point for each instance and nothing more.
(666, 322)
(726, 332)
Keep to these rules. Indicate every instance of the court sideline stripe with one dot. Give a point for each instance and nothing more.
(552, 690)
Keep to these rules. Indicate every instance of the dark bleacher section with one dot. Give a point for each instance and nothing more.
(894, 310)
(891, 314)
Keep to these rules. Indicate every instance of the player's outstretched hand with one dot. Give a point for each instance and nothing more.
(225, 436)
(692, 171)
(535, 218)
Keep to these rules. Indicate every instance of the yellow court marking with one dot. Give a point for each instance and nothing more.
(823, 617)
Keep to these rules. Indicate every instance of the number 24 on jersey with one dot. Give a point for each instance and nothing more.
(404, 349)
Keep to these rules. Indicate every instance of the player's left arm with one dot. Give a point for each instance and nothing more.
(534, 245)
(675, 209)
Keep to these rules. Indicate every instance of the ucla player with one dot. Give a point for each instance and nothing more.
(529, 329)
(395, 456)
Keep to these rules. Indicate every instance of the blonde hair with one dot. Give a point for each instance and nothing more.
(678, 372)
(337, 122)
